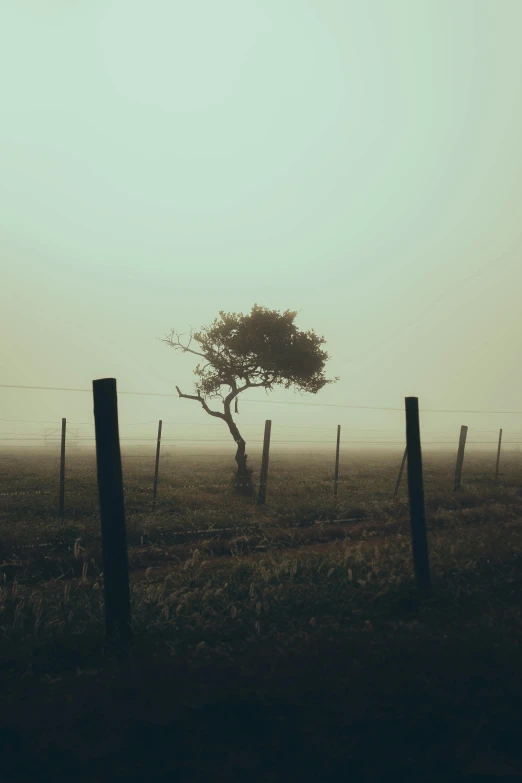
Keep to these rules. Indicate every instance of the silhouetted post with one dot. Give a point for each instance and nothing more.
(400, 471)
(337, 459)
(158, 446)
(416, 495)
(460, 456)
(498, 455)
(112, 512)
(62, 469)
(264, 464)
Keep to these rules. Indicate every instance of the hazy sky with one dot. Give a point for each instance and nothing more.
(357, 161)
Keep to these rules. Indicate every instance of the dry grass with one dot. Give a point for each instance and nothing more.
(300, 564)
(292, 645)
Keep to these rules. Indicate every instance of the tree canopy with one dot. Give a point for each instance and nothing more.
(264, 348)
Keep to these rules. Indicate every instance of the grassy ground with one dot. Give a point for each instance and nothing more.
(291, 644)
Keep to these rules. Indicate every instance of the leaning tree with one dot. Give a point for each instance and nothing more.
(242, 352)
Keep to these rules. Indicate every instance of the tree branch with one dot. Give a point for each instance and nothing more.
(200, 399)
(237, 390)
(185, 348)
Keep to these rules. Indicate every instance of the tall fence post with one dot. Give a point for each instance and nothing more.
(416, 495)
(264, 464)
(400, 472)
(158, 446)
(498, 455)
(336, 477)
(112, 512)
(460, 457)
(62, 470)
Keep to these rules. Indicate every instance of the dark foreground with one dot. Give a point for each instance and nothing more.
(335, 710)
(306, 658)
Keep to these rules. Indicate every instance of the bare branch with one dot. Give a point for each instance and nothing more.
(185, 348)
(200, 399)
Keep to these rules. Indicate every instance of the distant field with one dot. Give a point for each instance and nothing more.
(196, 490)
(195, 497)
(198, 512)
(199, 516)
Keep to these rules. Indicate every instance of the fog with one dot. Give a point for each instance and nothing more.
(359, 163)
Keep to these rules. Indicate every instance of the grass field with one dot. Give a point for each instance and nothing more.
(302, 611)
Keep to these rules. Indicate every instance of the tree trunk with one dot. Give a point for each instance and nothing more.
(243, 478)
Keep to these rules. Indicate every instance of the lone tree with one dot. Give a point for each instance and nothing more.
(241, 352)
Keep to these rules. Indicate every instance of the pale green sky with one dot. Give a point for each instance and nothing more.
(357, 161)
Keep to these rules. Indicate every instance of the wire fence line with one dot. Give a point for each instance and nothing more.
(376, 437)
(365, 436)
(379, 442)
(247, 424)
(70, 441)
(267, 402)
(394, 438)
(344, 449)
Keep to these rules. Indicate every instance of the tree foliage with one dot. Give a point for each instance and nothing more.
(264, 348)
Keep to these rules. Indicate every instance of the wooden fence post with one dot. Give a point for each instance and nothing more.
(158, 446)
(416, 496)
(264, 464)
(460, 457)
(62, 469)
(498, 455)
(400, 472)
(336, 477)
(112, 512)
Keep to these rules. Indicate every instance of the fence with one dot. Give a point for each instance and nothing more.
(112, 513)
(159, 441)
